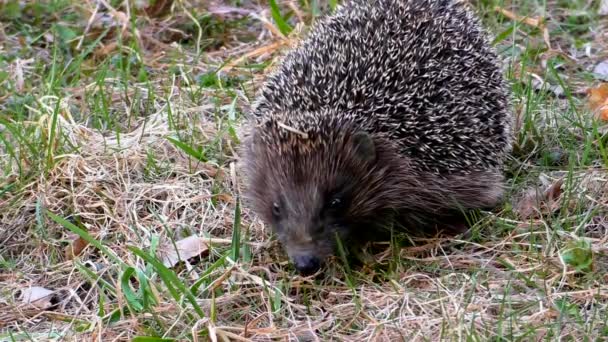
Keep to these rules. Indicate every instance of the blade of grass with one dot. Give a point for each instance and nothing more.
(236, 232)
(283, 26)
(133, 300)
(170, 279)
(86, 236)
(199, 155)
(151, 339)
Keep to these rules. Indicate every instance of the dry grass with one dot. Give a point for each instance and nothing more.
(86, 121)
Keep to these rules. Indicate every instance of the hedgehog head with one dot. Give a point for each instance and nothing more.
(315, 187)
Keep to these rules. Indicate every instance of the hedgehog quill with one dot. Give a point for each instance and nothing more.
(389, 113)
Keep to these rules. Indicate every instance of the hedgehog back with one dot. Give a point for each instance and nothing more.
(418, 71)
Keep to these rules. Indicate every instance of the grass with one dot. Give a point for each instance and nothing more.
(117, 135)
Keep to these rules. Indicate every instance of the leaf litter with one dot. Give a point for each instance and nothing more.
(598, 101)
(37, 296)
(184, 249)
(535, 202)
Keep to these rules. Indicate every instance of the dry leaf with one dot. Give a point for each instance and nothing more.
(554, 191)
(598, 101)
(223, 10)
(19, 72)
(103, 21)
(603, 7)
(37, 296)
(537, 22)
(74, 249)
(601, 69)
(224, 197)
(597, 228)
(104, 50)
(186, 248)
(536, 202)
(159, 8)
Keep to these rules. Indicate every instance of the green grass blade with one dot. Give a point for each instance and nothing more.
(236, 232)
(283, 26)
(133, 299)
(86, 236)
(189, 150)
(152, 339)
(170, 279)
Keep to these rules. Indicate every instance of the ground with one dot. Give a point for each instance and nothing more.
(119, 133)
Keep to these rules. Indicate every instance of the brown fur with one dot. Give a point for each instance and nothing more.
(391, 113)
(384, 191)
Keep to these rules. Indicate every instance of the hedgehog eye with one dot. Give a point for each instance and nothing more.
(276, 210)
(335, 203)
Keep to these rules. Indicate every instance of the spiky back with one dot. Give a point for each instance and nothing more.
(418, 71)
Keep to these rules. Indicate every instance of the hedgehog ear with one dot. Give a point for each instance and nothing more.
(365, 148)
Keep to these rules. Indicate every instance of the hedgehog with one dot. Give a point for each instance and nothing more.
(389, 115)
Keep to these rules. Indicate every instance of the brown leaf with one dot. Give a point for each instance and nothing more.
(536, 22)
(187, 248)
(75, 248)
(546, 37)
(554, 191)
(121, 17)
(159, 8)
(536, 202)
(104, 50)
(597, 227)
(37, 296)
(598, 101)
(224, 197)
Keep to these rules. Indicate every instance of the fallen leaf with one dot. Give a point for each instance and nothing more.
(536, 202)
(48, 36)
(597, 227)
(37, 296)
(104, 50)
(601, 69)
(75, 248)
(225, 10)
(537, 22)
(159, 8)
(121, 17)
(603, 7)
(546, 36)
(554, 191)
(187, 248)
(598, 101)
(224, 197)
(103, 20)
(578, 255)
(19, 74)
(538, 83)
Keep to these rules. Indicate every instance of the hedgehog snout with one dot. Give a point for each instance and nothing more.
(307, 264)
(306, 252)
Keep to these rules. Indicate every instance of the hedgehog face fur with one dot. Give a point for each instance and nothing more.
(390, 113)
(317, 190)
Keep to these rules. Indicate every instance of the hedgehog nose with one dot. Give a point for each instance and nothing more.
(307, 264)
